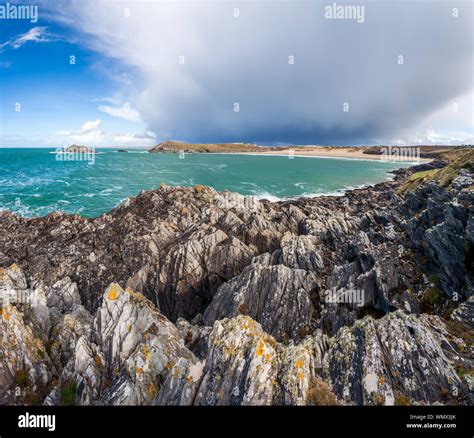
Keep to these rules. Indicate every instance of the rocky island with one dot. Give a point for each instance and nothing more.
(76, 149)
(189, 296)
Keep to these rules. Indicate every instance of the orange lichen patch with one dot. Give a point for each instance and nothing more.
(146, 352)
(152, 391)
(268, 358)
(14, 267)
(300, 375)
(169, 365)
(189, 379)
(381, 381)
(260, 348)
(299, 363)
(113, 293)
(5, 314)
(199, 188)
(139, 371)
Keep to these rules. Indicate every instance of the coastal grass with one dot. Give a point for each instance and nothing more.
(456, 160)
(68, 393)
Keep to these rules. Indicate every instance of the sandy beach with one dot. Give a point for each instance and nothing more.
(334, 152)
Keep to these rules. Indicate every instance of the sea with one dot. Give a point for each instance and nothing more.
(37, 181)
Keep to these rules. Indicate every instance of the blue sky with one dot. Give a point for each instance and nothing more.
(149, 71)
(61, 103)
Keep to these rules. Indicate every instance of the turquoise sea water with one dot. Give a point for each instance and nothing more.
(34, 183)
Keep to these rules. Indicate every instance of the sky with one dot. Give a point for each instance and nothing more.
(109, 73)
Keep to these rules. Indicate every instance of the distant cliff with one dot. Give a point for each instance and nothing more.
(175, 146)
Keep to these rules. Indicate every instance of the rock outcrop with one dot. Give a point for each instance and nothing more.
(188, 296)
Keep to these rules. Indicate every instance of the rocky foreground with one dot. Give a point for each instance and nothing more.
(188, 296)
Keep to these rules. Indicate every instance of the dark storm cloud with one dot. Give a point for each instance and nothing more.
(245, 60)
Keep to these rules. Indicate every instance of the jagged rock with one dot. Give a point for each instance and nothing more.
(278, 297)
(139, 344)
(376, 359)
(62, 297)
(299, 365)
(246, 366)
(195, 267)
(24, 363)
(465, 312)
(241, 366)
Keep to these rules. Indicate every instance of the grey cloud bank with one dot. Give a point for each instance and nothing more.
(378, 77)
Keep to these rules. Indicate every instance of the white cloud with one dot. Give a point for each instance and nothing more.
(88, 127)
(88, 134)
(123, 112)
(36, 34)
(145, 139)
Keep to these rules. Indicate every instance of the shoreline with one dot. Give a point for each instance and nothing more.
(337, 156)
(344, 153)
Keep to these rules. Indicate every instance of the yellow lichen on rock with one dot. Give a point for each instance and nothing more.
(6, 314)
(152, 391)
(146, 352)
(113, 293)
(260, 348)
(299, 363)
